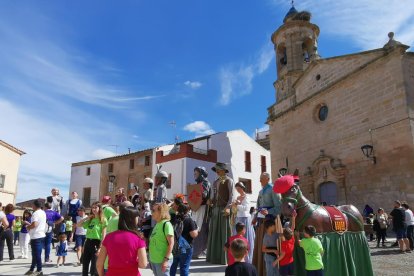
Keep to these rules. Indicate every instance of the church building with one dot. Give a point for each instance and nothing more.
(346, 122)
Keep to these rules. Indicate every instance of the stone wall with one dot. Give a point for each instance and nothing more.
(374, 98)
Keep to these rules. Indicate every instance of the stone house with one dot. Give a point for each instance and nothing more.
(9, 170)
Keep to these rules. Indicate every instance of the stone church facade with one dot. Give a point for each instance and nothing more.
(328, 108)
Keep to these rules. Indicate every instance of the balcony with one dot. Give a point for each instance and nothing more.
(186, 151)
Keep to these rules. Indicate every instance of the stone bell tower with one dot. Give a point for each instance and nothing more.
(295, 47)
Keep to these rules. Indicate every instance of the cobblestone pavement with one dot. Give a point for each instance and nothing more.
(386, 262)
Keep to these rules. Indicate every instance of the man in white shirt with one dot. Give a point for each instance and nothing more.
(37, 231)
(80, 233)
(409, 222)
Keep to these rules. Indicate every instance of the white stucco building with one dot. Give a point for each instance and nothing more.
(85, 179)
(9, 169)
(245, 158)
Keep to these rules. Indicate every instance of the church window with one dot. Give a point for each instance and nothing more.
(323, 113)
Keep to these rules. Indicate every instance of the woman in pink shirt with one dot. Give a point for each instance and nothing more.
(132, 256)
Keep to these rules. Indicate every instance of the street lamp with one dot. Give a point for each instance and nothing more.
(368, 151)
(111, 183)
(283, 171)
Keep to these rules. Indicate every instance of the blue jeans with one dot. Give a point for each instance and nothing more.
(157, 269)
(37, 245)
(48, 242)
(16, 237)
(184, 261)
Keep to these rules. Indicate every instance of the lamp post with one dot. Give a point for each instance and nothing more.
(283, 171)
(368, 151)
(111, 182)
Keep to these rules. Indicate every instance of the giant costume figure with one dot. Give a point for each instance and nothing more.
(161, 179)
(199, 214)
(340, 229)
(219, 231)
(268, 207)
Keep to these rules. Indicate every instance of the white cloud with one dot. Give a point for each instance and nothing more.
(366, 23)
(51, 147)
(199, 128)
(60, 105)
(236, 80)
(193, 84)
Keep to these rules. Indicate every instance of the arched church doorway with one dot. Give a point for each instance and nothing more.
(328, 193)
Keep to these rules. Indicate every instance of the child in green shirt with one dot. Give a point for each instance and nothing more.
(313, 252)
(16, 229)
(69, 229)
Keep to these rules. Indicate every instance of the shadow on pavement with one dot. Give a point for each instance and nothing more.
(208, 269)
(387, 252)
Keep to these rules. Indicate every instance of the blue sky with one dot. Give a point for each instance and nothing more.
(78, 76)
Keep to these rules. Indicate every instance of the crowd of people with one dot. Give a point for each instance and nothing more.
(401, 218)
(166, 234)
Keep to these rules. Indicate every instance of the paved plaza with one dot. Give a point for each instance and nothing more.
(20, 266)
(386, 262)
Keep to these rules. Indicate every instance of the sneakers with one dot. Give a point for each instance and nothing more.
(37, 273)
(57, 266)
(30, 272)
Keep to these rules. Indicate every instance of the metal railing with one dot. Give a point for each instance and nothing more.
(201, 151)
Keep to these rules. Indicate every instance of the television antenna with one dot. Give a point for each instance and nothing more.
(116, 148)
(174, 126)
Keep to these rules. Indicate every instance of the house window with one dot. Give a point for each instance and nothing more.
(247, 183)
(86, 200)
(247, 161)
(88, 171)
(169, 180)
(263, 163)
(110, 167)
(147, 160)
(131, 164)
(2, 180)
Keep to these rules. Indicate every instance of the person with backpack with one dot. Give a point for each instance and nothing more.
(52, 218)
(185, 230)
(161, 241)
